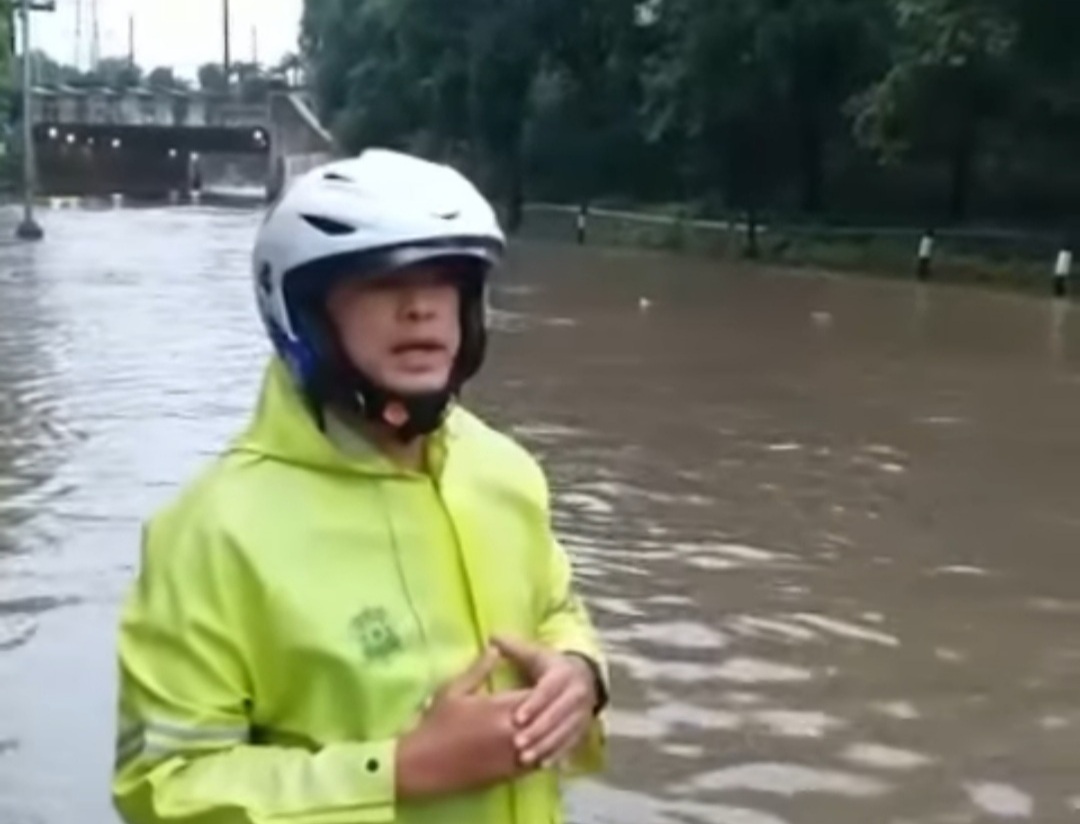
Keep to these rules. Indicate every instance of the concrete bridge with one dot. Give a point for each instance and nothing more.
(159, 145)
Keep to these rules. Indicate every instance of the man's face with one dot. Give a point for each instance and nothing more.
(402, 331)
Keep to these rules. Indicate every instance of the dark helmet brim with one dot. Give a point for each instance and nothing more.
(314, 280)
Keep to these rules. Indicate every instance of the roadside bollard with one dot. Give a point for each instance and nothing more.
(1062, 273)
(582, 224)
(926, 255)
(174, 197)
(117, 201)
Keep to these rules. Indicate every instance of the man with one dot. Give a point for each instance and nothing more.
(359, 613)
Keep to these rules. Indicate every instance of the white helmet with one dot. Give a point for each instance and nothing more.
(377, 213)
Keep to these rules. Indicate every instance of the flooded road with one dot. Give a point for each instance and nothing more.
(828, 527)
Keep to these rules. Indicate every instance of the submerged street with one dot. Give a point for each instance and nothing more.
(827, 526)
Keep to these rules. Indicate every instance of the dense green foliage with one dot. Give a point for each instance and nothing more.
(251, 83)
(928, 109)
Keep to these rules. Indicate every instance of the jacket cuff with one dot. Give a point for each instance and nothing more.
(373, 768)
(599, 682)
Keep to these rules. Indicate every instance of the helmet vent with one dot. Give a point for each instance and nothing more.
(337, 177)
(329, 226)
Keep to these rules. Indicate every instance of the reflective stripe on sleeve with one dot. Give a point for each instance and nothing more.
(159, 740)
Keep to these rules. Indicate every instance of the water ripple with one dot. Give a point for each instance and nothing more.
(1000, 800)
(833, 574)
(786, 780)
(885, 757)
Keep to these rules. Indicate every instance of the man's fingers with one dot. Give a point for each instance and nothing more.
(541, 697)
(562, 738)
(474, 677)
(550, 718)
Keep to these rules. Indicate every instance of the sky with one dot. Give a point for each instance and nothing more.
(180, 33)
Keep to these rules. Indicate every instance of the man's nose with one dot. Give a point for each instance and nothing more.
(417, 303)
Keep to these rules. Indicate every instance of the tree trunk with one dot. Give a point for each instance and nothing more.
(744, 166)
(515, 191)
(962, 163)
(753, 249)
(811, 162)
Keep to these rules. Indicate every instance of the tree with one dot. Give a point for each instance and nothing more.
(788, 105)
(212, 78)
(949, 82)
(823, 52)
(592, 53)
(365, 92)
(254, 84)
(1047, 67)
(117, 73)
(164, 78)
(432, 76)
(49, 72)
(292, 68)
(716, 93)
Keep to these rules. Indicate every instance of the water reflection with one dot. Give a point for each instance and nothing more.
(33, 430)
(885, 757)
(827, 527)
(786, 780)
(1001, 800)
(1060, 314)
(607, 805)
(122, 364)
(803, 546)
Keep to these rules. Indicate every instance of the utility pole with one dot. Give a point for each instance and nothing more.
(227, 26)
(78, 34)
(255, 46)
(95, 45)
(131, 41)
(28, 229)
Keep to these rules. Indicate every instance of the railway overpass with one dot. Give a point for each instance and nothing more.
(156, 145)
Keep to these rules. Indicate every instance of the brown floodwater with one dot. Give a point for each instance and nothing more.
(829, 527)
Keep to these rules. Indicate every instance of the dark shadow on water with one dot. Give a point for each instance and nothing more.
(35, 606)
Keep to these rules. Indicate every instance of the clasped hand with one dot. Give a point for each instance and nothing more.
(558, 710)
(469, 739)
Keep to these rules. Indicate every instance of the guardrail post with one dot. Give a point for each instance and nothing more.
(582, 223)
(753, 248)
(1063, 271)
(926, 255)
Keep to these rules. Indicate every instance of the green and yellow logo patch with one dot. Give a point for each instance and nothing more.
(375, 634)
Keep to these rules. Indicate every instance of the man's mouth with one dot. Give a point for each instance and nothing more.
(418, 346)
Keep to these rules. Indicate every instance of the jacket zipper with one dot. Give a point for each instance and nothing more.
(399, 565)
(479, 630)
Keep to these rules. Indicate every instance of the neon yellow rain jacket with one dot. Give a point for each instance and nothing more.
(296, 609)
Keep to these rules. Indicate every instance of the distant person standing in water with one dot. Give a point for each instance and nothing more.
(359, 612)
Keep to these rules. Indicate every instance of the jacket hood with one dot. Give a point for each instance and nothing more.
(283, 428)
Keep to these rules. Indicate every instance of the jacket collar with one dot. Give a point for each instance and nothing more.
(284, 428)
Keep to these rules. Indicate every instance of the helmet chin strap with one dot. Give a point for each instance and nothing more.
(408, 416)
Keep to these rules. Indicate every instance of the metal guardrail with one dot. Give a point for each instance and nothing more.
(643, 217)
(927, 250)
